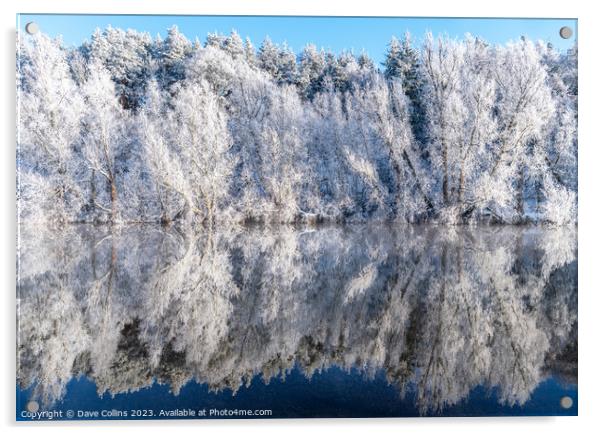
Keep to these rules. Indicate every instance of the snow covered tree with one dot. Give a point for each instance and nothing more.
(127, 57)
(49, 108)
(104, 140)
(311, 71)
(553, 169)
(486, 105)
(282, 152)
(364, 61)
(442, 61)
(524, 106)
(233, 45)
(167, 175)
(287, 66)
(250, 55)
(394, 62)
(171, 55)
(268, 57)
(379, 115)
(491, 136)
(215, 40)
(202, 142)
(278, 62)
(403, 61)
(459, 98)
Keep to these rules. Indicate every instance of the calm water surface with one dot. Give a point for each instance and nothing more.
(337, 321)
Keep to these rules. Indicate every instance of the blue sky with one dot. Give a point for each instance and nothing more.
(331, 33)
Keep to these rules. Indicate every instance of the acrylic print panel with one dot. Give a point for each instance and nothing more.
(269, 217)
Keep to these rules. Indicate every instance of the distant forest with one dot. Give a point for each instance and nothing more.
(129, 128)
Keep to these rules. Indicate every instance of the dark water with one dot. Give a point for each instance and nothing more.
(356, 321)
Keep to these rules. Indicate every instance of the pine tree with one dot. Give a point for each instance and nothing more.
(250, 55)
(394, 63)
(268, 57)
(171, 56)
(127, 56)
(234, 46)
(365, 62)
(311, 71)
(403, 61)
(215, 40)
(287, 66)
(334, 72)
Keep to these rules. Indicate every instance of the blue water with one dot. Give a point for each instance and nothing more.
(331, 393)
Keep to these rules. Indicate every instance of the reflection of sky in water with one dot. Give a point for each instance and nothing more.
(339, 322)
(332, 393)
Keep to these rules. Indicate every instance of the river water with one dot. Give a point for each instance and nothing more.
(333, 321)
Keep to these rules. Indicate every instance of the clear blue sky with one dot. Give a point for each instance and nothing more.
(333, 33)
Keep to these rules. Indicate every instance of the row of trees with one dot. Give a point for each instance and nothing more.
(126, 128)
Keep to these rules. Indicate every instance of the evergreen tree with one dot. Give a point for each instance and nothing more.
(171, 55)
(365, 62)
(127, 57)
(215, 40)
(287, 66)
(403, 61)
(312, 64)
(268, 57)
(333, 71)
(394, 63)
(234, 46)
(250, 55)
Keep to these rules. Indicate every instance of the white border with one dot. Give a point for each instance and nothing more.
(590, 168)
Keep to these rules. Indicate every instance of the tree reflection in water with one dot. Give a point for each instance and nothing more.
(440, 310)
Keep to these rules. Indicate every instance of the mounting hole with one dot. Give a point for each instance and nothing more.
(566, 32)
(33, 406)
(32, 28)
(566, 402)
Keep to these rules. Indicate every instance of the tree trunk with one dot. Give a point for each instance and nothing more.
(538, 197)
(445, 175)
(520, 202)
(429, 205)
(113, 200)
(461, 184)
(93, 194)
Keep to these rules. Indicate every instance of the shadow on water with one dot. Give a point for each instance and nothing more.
(365, 320)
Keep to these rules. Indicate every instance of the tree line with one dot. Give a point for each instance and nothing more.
(130, 128)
